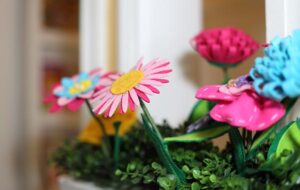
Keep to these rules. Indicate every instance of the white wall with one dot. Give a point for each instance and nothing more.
(282, 17)
(11, 41)
(161, 29)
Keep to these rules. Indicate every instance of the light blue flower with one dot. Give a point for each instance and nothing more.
(78, 85)
(277, 74)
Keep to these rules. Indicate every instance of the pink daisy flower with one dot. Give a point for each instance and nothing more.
(72, 92)
(125, 91)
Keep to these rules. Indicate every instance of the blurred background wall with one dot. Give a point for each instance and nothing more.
(11, 96)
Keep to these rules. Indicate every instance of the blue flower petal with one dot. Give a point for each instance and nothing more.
(277, 74)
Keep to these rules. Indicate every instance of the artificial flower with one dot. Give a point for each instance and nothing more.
(72, 92)
(125, 91)
(92, 133)
(224, 46)
(239, 105)
(276, 75)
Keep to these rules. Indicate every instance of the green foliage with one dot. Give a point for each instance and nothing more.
(200, 135)
(200, 109)
(204, 165)
(286, 139)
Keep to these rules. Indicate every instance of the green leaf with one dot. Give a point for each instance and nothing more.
(167, 183)
(199, 110)
(238, 147)
(259, 141)
(286, 139)
(199, 136)
(195, 186)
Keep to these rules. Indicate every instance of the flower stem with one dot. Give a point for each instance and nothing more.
(161, 148)
(117, 143)
(150, 119)
(105, 140)
(225, 74)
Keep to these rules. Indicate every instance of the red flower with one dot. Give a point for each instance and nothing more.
(221, 46)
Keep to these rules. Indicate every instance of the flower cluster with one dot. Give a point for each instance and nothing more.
(240, 106)
(224, 46)
(276, 75)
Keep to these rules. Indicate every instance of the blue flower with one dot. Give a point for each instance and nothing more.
(277, 74)
(78, 85)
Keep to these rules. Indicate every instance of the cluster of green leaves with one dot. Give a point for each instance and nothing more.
(215, 170)
(204, 165)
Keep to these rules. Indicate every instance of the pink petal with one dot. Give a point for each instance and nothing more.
(106, 105)
(114, 105)
(95, 72)
(234, 90)
(148, 65)
(131, 104)
(125, 102)
(55, 107)
(134, 97)
(151, 82)
(62, 101)
(58, 89)
(50, 98)
(155, 76)
(75, 105)
(211, 93)
(102, 101)
(144, 89)
(161, 80)
(260, 113)
(143, 96)
(152, 88)
(157, 70)
(158, 64)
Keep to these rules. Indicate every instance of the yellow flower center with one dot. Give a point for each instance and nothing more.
(126, 82)
(80, 87)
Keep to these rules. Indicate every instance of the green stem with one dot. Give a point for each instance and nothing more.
(161, 148)
(150, 119)
(226, 74)
(105, 141)
(249, 139)
(238, 149)
(117, 145)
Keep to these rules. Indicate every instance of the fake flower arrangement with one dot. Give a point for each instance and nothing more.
(262, 152)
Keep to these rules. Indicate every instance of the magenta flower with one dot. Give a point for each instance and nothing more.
(241, 106)
(224, 46)
(72, 92)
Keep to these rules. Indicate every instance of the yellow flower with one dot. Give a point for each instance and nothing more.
(92, 133)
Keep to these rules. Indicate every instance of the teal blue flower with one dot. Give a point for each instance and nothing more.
(78, 85)
(276, 75)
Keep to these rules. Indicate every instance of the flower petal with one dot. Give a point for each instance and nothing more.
(134, 97)
(62, 101)
(114, 105)
(142, 95)
(260, 114)
(75, 105)
(125, 102)
(211, 93)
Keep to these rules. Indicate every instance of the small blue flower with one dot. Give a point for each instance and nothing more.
(277, 74)
(78, 85)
